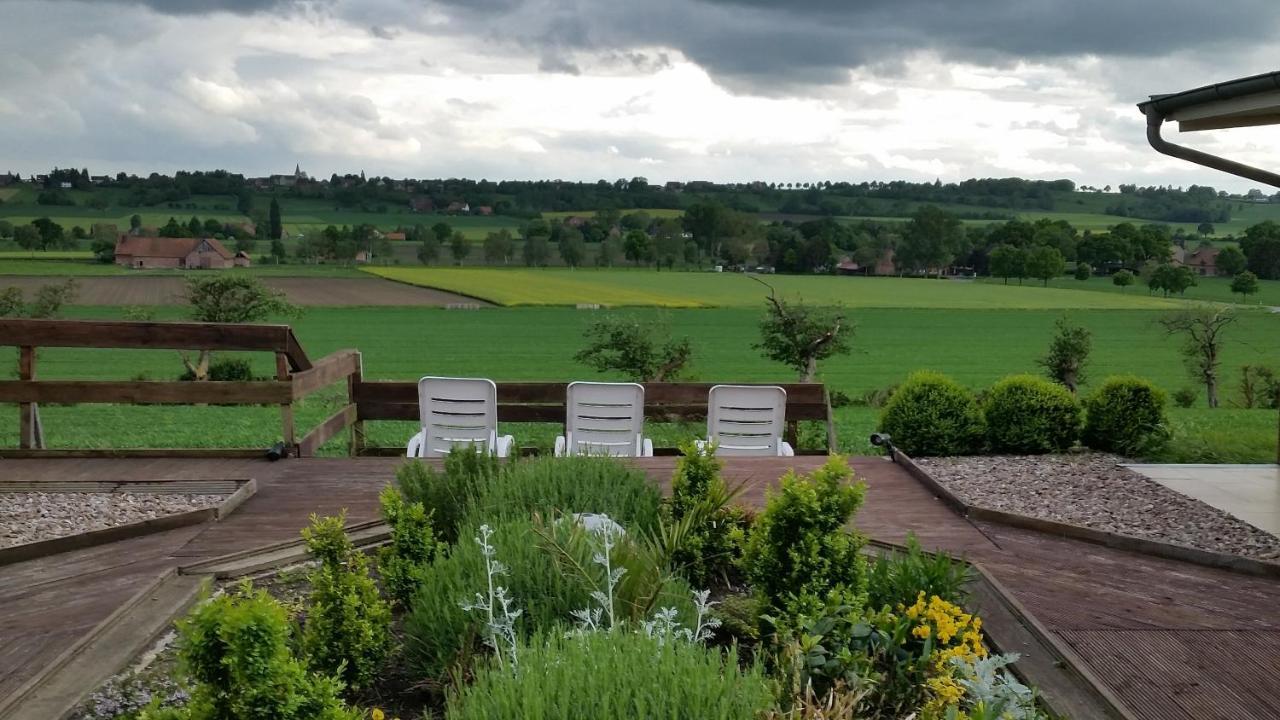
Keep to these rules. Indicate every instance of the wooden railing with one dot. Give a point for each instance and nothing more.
(295, 378)
(545, 402)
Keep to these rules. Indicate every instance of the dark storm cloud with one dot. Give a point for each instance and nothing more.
(204, 7)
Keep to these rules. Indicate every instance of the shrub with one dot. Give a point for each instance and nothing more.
(568, 485)
(1028, 414)
(930, 414)
(1127, 416)
(235, 649)
(1185, 397)
(798, 554)
(347, 629)
(897, 578)
(878, 398)
(225, 370)
(447, 494)
(708, 527)
(617, 675)
(546, 569)
(413, 544)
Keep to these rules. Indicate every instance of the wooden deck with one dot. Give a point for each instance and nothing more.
(1171, 640)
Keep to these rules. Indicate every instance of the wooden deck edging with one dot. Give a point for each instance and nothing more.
(53, 546)
(1118, 541)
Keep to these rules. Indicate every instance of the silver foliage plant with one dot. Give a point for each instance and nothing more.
(500, 618)
(995, 691)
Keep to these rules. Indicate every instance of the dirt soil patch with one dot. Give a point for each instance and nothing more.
(305, 291)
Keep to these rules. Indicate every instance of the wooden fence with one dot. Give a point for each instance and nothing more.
(296, 377)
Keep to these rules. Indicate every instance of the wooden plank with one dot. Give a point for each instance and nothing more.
(833, 441)
(298, 360)
(326, 371)
(113, 453)
(146, 392)
(332, 425)
(28, 437)
(53, 546)
(553, 393)
(144, 335)
(357, 426)
(286, 407)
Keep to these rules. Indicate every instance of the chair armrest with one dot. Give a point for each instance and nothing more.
(646, 448)
(414, 448)
(503, 445)
(561, 446)
(784, 449)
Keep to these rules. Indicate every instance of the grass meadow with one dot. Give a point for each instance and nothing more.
(515, 287)
(538, 343)
(1208, 289)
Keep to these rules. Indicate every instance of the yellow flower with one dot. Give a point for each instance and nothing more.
(378, 714)
(920, 631)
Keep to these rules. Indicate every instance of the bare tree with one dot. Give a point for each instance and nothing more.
(1202, 330)
(800, 335)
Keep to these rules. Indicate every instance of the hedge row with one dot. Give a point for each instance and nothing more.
(932, 415)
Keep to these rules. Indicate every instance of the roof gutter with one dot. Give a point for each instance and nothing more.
(1155, 120)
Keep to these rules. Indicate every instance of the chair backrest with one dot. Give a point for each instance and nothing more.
(457, 411)
(604, 418)
(746, 419)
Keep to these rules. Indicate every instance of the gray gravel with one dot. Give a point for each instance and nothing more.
(32, 516)
(1093, 491)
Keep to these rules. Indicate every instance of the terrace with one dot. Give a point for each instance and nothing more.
(1108, 625)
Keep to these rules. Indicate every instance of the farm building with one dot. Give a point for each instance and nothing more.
(883, 265)
(156, 252)
(1204, 261)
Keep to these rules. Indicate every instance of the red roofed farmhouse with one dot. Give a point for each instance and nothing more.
(155, 252)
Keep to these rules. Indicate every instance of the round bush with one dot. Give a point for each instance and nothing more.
(1126, 415)
(931, 414)
(1030, 415)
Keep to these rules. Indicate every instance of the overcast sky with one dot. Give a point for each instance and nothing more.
(781, 90)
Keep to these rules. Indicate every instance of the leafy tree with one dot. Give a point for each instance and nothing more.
(225, 298)
(1045, 263)
(6, 229)
(51, 233)
(932, 239)
(1205, 228)
(706, 221)
(1122, 279)
(246, 244)
(429, 250)
(244, 202)
(172, 229)
(48, 302)
(799, 335)
(642, 350)
(636, 245)
(1171, 279)
(1261, 245)
(572, 248)
(276, 230)
(212, 227)
(1203, 331)
(499, 247)
(135, 222)
(278, 251)
(1068, 354)
(103, 244)
(1083, 271)
(195, 227)
(1231, 261)
(536, 251)
(459, 247)
(610, 251)
(1007, 261)
(27, 237)
(442, 231)
(1245, 284)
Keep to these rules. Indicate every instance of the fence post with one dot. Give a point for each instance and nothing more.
(30, 431)
(286, 409)
(356, 447)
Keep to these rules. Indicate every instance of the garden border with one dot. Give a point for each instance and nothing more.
(245, 488)
(1130, 543)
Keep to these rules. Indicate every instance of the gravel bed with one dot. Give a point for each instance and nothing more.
(1093, 491)
(27, 517)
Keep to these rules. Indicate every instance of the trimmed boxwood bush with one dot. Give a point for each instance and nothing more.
(1127, 416)
(931, 414)
(1028, 414)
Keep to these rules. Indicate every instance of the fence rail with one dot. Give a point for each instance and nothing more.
(297, 377)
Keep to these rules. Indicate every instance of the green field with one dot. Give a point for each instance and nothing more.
(90, 268)
(699, 289)
(974, 346)
(1208, 289)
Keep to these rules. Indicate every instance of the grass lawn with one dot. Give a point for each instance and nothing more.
(699, 289)
(976, 347)
(1210, 289)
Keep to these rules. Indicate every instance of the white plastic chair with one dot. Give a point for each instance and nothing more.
(748, 420)
(604, 419)
(457, 411)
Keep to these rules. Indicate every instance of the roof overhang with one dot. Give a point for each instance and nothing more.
(1247, 102)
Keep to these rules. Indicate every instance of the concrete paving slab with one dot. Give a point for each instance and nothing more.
(1249, 492)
